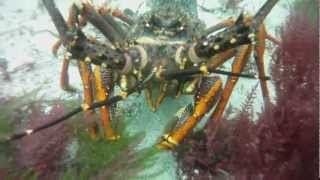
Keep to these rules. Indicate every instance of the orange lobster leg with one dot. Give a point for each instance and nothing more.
(259, 53)
(86, 77)
(101, 95)
(237, 67)
(56, 47)
(201, 108)
(64, 77)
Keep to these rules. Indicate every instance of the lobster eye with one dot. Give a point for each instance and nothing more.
(181, 28)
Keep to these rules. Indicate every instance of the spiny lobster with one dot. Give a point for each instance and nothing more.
(167, 48)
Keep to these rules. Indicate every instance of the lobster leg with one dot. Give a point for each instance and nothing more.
(86, 77)
(237, 66)
(56, 47)
(116, 13)
(101, 95)
(110, 19)
(162, 94)
(64, 77)
(148, 94)
(208, 91)
(259, 53)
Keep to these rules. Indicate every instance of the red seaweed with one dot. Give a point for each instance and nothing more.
(42, 151)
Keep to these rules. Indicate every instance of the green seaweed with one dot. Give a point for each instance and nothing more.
(95, 159)
(6, 127)
(100, 159)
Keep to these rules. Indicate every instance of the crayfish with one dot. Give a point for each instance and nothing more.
(165, 48)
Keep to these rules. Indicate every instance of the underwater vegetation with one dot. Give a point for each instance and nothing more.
(282, 143)
(43, 151)
(65, 151)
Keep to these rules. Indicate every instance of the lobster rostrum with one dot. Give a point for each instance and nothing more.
(164, 48)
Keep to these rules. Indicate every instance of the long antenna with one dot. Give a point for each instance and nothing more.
(197, 70)
(77, 110)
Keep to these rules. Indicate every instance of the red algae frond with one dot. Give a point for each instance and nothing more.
(42, 151)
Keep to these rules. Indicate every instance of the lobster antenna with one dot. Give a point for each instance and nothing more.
(77, 110)
(194, 71)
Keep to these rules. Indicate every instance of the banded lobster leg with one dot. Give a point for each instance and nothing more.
(204, 100)
(102, 93)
